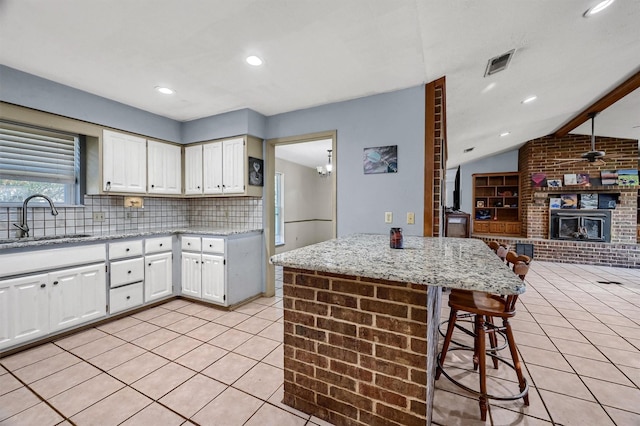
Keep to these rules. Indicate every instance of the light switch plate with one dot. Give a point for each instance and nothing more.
(411, 218)
(388, 217)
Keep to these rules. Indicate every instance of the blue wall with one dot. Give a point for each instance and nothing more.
(27, 90)
(395, 118)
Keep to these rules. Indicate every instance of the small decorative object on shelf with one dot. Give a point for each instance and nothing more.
(554, 183)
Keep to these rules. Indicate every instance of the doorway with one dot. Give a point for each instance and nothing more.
(300, 224)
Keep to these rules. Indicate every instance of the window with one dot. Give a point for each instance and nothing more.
(279, 213)
(38, 161)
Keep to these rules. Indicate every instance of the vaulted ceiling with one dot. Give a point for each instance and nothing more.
(321, 51)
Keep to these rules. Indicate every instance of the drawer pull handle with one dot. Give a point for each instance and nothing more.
(149, 264)
(160, 244)
(210, 245)
(128, 272)
(128, 297)
(43, 285)
(188, 244)
(127, 249)
(55, 283)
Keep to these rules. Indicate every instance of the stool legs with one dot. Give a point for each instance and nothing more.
(493, 340)
(453, 315)
(516, 360)
(481, 353)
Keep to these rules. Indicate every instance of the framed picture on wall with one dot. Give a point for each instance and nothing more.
(380, 159)
(256, 171)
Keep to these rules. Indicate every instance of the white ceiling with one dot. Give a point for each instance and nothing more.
(309, 154)
(318, 52)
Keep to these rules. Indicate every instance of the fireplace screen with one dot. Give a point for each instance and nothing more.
(580, 226)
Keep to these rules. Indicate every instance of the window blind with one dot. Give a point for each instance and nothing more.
(38, 155)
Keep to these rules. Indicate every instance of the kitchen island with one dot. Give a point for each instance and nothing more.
(361, 322)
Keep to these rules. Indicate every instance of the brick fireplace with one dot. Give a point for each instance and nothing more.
(538, 156)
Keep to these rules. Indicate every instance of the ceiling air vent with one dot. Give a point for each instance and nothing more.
(499, 63)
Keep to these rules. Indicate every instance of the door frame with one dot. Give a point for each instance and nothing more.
(269, 201)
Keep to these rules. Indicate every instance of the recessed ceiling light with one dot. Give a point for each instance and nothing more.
(597, 8)
(529, 99)
(469, 149)
(503, 134)
(165, 90)
(254, 60)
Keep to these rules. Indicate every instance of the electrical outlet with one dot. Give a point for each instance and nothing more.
(98, 216)
(128, 215)
(388, 217)
(411, 218)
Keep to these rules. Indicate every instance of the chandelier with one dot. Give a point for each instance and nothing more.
(325, 170)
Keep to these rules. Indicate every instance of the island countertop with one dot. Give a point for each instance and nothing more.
(463, 263)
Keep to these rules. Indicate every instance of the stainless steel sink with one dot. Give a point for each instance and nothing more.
(45, 238)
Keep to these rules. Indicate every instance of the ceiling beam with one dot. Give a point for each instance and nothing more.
(619, 92)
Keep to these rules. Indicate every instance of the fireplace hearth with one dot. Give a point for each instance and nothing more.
(576, 225)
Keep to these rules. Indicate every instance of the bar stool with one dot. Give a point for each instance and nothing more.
(484, 307)
(501, 250)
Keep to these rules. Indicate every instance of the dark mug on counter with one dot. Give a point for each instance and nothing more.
(395, 238)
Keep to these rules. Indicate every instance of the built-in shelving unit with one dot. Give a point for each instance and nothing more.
(496, 203)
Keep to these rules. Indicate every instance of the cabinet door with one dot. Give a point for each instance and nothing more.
(496, 227)
(233, 169)
(213, 284)
(24, 309)
(157, 276)
(512, 228)
(77, 295)
(193, 170)
(212, 167)
(191, 275)
(165, 168)
(124, 163)
(480, 227)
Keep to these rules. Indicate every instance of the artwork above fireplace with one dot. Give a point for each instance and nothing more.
(576, 225)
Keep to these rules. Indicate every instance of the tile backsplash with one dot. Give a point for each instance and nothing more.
(243, 213)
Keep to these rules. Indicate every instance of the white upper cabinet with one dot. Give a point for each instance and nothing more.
(212, 168)
(164, 168)
(124, 163)
(233, 166)
(193, 184)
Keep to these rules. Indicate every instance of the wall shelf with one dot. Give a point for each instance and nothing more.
(496, 203)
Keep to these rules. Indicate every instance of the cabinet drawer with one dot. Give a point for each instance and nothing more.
(127, 271)
(157, 245)
(213, 245)
(126, 297)
(191, 244)
(125, 249)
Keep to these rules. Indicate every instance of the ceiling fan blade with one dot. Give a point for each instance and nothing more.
(568, 161)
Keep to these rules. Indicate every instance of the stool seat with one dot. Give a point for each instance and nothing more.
(479, 303)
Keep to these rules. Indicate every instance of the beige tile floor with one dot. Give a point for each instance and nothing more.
(183, 363)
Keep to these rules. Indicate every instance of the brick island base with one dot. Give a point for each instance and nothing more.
(355, 349)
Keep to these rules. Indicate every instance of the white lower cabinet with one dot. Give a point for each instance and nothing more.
(24, 306)
(213, 278)
(36, 305)
(224, 271)
(126, 297)
(158, 268)
(77, 295)
(192, 274)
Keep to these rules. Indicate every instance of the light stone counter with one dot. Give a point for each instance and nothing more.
(329, 318)
(38, 242)
(464, 263)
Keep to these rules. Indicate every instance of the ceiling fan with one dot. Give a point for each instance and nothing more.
(590, 156)
(593, 156)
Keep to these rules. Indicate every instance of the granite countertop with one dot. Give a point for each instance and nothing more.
(33, 242)
(464, 263)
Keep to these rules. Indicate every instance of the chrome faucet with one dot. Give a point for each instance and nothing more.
(23, 227)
